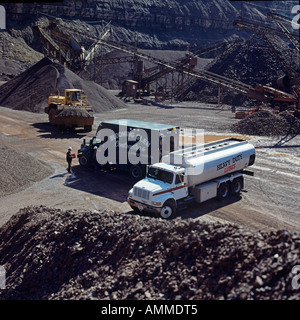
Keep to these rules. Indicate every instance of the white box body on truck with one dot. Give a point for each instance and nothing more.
(199, 173)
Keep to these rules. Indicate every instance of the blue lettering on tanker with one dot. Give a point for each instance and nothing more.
(228, 162)
(223, 165)
(237, 158)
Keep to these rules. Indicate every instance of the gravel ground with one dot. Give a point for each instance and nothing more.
(54, 254)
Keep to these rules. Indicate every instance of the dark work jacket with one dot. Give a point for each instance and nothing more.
(69, 157)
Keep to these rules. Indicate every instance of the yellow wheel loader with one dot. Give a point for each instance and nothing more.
(70, 111)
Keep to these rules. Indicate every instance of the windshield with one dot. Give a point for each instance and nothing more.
(160, 174)
(76, 96)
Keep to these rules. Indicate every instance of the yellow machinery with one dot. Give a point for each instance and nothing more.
(71, 110)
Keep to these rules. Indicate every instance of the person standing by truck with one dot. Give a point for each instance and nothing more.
(69, 158)
(95, 162)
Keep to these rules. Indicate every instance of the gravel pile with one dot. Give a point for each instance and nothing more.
(19, 170)
(30, 90)
(54, 254)
(250, 62)
(265, 123)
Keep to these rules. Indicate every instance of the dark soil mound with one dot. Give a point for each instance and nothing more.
(30, 90)
(265, 123)
(52, 254)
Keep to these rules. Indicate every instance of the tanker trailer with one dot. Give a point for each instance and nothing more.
(198, 173)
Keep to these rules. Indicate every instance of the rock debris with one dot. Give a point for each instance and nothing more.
(53, 254)
(265, 123)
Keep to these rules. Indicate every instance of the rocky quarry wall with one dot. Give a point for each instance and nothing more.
(168, 24)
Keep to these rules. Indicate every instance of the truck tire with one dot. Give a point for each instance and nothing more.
(136, 172)
(83, 160)
(237, 186)
(168, 210)
(223, 191)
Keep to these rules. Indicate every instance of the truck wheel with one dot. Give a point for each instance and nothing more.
(83, 160)
(223, 191)
(168, 210)
(236, 186)
(136, 172)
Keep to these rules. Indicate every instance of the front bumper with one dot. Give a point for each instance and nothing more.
(142, 206)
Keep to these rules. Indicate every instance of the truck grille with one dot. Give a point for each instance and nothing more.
(141, 193)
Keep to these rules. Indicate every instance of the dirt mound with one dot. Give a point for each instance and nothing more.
(250, 62)
(265, 123)
(54, 254)
(30, 90)
(19, 170)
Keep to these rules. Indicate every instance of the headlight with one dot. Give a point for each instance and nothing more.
(156, 203)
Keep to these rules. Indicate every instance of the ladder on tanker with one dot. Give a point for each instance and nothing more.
(207, 148)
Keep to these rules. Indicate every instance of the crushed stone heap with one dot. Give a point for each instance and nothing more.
(265, 123)
(19, 170)
(251, 62)
(53, 254)
(30, 90)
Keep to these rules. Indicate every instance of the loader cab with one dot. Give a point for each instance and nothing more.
(73, 96)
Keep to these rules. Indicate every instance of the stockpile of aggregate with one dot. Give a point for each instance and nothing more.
(251, 62)
(30, 90)
(265, 123)
(19, 170)
(53, 254)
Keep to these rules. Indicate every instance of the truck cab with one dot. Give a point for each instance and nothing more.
(85, 153)
(159, 192)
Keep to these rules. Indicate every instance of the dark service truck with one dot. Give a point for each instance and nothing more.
(130, 145)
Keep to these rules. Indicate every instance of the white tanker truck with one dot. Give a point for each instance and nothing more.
(196, 173)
